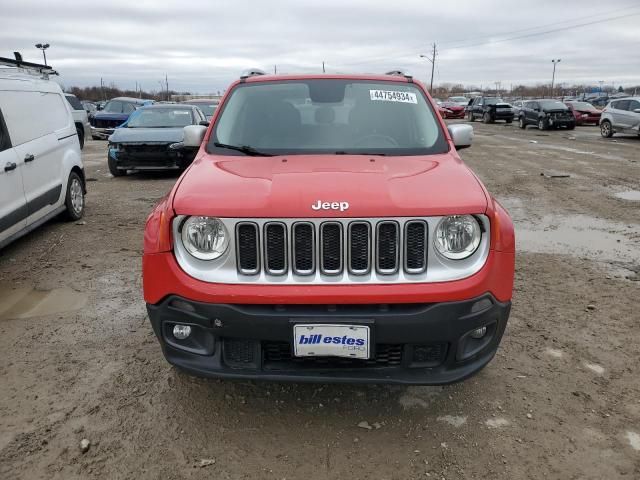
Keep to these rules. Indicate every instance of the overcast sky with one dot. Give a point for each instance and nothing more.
(203, 45)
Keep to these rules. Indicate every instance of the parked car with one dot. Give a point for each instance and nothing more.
(451, 110)
(115, 112)
(41, 171)
(207, 105)
(489, 109)
(546, 114)
(621, 116)
(150, 139)
(271, 258)
(584, 112)
(462, 101)
(80, 118)
(89, 107)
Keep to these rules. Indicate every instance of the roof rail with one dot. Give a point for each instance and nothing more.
(251, 72)
(28, 67)
(399, 73)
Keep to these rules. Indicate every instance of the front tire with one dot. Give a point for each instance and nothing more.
(542, 124)
(606, 129)
(521, 123)
(113, 168)
(509, 120)
(470, 116)
(74, 201)
(486, 118)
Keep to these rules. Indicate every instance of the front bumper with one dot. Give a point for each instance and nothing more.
(154, 157)
(101, 133)
(423, 344)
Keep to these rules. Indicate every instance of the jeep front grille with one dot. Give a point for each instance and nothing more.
(330, 251)
(331, 247)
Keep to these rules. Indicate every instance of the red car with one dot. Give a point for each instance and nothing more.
(451, 110)
(584, 112)
(328, 231)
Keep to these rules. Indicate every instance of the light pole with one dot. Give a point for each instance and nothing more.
(553, 77)
(432, 59)
(43, 47)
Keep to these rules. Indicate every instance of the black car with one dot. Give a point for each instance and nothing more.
(151, 139)
(489, 109)
(546, 114)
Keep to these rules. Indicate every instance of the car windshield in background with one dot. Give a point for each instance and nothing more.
(493, 101)
(74, 102)
(328, 116)
(207, 108)
(160, 118)
(582, 105)
(552, 105)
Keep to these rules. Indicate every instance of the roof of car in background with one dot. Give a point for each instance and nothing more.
(172, 106)
(132, 100)
(201, 100)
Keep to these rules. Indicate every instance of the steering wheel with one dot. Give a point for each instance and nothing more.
(366, 141)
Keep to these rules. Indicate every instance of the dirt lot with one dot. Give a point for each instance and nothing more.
(561, 400)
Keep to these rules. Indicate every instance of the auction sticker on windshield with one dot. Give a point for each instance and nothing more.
(313, 340)
(393, 96)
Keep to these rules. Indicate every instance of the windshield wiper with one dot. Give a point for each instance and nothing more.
(246, 149)
(342, 152)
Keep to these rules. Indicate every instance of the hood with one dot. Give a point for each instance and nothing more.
(556, 110)
(287, 187)
(111, 116)
(123, 134)
(590, 111)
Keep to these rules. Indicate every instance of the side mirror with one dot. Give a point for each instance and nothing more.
(637, 110)
(462, 135)
(204, 123)
(194, 135)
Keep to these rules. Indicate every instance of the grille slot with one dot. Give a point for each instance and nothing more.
(387, 251)
(275, 248)
(331, 248)
(303, 242)
(415, 246)
(248, 248)
(279, 355)
(359, 248)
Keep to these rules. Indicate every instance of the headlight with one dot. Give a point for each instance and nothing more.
(457, 236)
(205, 238)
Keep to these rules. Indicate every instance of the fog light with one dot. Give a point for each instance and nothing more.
(477, 333)
(183, 331)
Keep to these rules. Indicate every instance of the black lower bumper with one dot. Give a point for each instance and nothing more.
(422, 344)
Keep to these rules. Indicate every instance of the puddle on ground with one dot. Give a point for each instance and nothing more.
(580, 236)
(631, 195)
(27, 302)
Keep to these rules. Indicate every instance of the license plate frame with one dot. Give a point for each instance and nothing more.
(309, 340)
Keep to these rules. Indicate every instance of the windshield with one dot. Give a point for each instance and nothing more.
(113, 107)
(493, 100)
(207, 108)
(552, 105)
(160, 118)
(328, 116)
(582, 105)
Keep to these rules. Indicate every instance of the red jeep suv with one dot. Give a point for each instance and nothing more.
(328, 231)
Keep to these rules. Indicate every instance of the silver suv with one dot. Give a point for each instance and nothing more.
(621, 116)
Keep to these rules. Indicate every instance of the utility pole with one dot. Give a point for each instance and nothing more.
(275, 69)
(432, 59)
(553, 77)
(166, 80)
(323, 67)
(102, 88)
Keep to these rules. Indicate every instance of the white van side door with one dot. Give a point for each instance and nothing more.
(13, 204)
(40, 125)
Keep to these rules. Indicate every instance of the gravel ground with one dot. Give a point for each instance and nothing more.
(560, 400)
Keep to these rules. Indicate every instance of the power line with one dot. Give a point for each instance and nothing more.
(567, 27)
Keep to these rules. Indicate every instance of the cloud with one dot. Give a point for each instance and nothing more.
(202, 46)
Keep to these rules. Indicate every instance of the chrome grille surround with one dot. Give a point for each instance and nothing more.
(435, 268)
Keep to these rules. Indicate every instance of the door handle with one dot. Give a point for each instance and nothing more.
(29, 157)
(10, 166)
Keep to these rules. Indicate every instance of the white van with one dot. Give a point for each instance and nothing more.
(41, 171)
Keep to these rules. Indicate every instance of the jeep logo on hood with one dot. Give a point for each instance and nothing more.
(320, 205)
